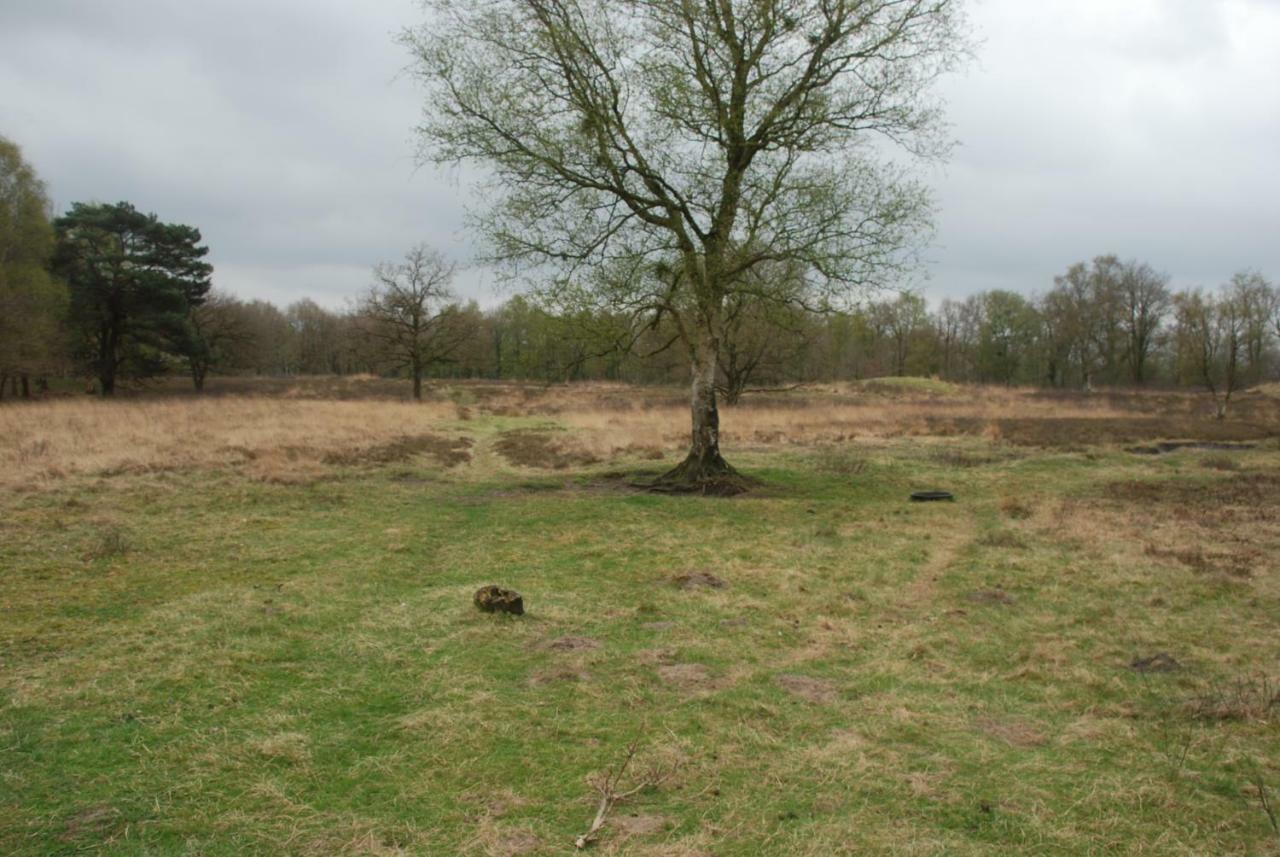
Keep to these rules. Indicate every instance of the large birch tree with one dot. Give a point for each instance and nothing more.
(652, 153)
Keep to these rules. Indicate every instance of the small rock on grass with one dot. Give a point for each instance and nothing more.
(495, 599)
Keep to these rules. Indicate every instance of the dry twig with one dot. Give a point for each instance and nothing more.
(608, 787)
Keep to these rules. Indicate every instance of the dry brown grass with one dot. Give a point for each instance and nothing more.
(288, 432)
(47, 441)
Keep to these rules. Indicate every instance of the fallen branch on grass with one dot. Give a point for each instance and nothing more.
(610, 794)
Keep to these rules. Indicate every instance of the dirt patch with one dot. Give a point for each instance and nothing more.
(992, 596)
(572, 644)
(1015, 732)
(698, 580)
(814, 690)
(1233, 562)
(1074, 432)
(1253, 492)
(511, 843)
(447, 451)
(640, 825)
(686, 676)
(536, 448)
(1018, 510)
(97, 820)
(1161, 662)
(542, 678)
(658, 656)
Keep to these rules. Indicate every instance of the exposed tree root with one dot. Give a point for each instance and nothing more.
(707, 475)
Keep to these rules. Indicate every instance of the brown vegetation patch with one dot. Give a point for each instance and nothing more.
(558, 675)
(1018, 510)
(1233, 562)
(1161, 662)
(1002, 539)
(514, 842)
(1251, 494)
(1244, 699)
(814, 690)
(640, 825)
(1015, 732)
(648, 452)
(1166, 447)
(536, 448)
(1072, 432)
(698, 580)
(992, 596)
(97, 820)
(686, 676)
(572, 644)
(447, 451)
(960, 458)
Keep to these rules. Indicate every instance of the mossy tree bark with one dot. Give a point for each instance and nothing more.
(704, 469)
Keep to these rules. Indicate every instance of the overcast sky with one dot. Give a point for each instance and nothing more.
(282, 129)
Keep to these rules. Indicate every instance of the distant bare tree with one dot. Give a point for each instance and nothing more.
(1210, 340)
(411, 312)
(1255, 302)
(1144, 303)
(215, 330)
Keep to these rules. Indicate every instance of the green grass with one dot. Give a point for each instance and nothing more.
(197, 663)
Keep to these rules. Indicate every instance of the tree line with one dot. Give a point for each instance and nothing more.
(110, 294)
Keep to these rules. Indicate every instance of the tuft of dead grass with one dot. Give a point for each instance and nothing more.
(45, 442)
(542, 449)
(1249, 699)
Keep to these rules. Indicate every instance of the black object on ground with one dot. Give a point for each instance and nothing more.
(930, 496)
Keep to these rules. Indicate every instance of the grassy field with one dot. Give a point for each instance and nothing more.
(243, 625)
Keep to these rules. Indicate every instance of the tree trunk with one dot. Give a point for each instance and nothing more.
(704, 470)
(26, 386)
(417, 383)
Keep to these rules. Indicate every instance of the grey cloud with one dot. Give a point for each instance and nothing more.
(283, 129)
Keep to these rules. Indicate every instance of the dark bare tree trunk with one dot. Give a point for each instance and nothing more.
(417, 385)
(26, 386)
